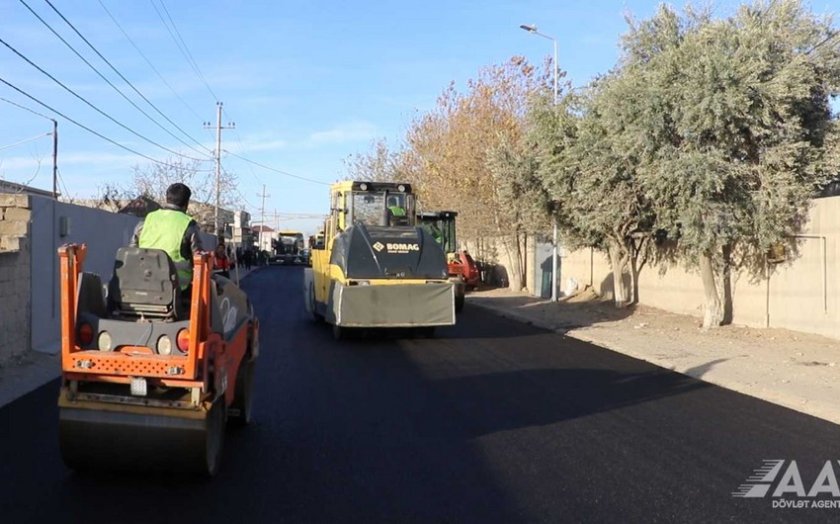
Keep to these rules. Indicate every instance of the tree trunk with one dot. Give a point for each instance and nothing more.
(713, 310)
(513, 249)
(618, 262)
(726, 284)
(638, 259)
(634, 280)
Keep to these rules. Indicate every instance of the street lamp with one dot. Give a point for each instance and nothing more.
(533, 30)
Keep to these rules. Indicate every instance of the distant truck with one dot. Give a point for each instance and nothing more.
(288, 248)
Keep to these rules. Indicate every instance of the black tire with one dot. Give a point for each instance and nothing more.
(425, 332)
(459, 303)
(340, 333)
(239, 413)
(312, 305)
(214, 438)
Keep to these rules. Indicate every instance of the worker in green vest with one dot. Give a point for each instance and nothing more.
(172, 230)
(396, 212)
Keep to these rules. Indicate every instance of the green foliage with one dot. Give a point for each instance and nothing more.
(728, 122)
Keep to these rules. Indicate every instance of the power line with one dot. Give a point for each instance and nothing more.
(151, 65)
(86, 128)
(182, 46)
(285, 173)
(115, 70)
(24, 141)
(239, 140)
(26, 109)
(83, 99)
(63, 185)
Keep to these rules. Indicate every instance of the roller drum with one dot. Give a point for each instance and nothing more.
(142, 440)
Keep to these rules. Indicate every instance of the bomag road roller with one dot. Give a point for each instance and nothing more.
(376, 267)
(150, 374)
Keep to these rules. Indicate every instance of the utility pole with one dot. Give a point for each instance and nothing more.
(262, 211)
(531, 28)
(55, 158)
(219, 127)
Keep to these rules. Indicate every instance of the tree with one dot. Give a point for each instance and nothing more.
(601, 203)
(729, 120)
(467, 153)
(111, 197)
(153, 179)
(380, 164)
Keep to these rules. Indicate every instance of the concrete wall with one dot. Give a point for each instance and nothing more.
(802, 294)
(54, 224)
(15, 261)
(495, 252)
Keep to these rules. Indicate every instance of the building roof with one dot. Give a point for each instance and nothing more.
(262, 229)
(11, 187)
(140, 207)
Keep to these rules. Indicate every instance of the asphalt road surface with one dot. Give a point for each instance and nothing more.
(490, 421)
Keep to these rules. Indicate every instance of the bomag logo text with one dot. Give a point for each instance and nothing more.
(400, 247)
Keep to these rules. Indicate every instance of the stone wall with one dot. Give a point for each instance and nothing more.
(15, 257)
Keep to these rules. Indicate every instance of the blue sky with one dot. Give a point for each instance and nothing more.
(307, 83)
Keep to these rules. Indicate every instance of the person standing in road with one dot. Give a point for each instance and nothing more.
(221, 262)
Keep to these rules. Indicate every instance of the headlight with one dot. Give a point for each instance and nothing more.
(104, 341)
(164, 345)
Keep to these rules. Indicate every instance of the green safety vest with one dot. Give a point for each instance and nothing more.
(397, 211)
(164, 229)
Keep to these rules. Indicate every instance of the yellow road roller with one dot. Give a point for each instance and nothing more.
(376, 267)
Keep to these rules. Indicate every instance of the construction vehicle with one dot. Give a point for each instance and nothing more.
(461, 267)
(441, 226)
(149, 376)
(288, 247)
(376, 268)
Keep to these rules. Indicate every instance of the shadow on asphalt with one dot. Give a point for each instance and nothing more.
(538, 397)
(564, 315)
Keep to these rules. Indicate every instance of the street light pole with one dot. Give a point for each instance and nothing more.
(554, 255)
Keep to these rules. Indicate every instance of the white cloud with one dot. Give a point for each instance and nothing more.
(357, 131)
(29, 162)
(343, 133)
(258, 145)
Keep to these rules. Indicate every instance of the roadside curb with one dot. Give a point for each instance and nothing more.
(798, 403)
(19, 380)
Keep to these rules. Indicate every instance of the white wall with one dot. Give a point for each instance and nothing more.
(102, 231)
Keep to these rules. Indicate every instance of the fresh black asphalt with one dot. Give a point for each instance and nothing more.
(490, 421)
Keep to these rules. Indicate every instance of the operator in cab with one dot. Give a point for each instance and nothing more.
(397, 215)
(172, 230)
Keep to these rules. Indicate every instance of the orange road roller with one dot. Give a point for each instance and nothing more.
(151, 374)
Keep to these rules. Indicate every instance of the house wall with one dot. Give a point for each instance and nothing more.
(15, 273)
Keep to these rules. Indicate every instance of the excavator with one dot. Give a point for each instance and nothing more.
(376, 268)
(151, 376)
(461, 267)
